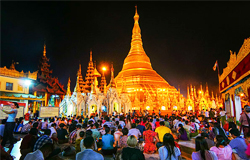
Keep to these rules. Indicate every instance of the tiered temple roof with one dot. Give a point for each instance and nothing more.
(89, 77)
(47, 83)
(81, 82)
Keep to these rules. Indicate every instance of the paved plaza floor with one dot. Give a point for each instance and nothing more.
(188, 145)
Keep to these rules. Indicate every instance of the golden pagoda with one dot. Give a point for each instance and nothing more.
(142, 82)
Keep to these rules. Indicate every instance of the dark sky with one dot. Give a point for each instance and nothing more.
(182, 39)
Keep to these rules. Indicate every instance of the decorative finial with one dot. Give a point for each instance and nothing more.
(68, 88)
(136, 9)
(90, 58)
(44, 50)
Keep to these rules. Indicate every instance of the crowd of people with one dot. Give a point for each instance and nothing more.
(129, 136)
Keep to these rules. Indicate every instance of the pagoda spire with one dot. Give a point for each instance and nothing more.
(77, 87)
(212, 95)
(188, 95)
(68, 88)
(44, 50)
(195, 94)
(90, 57)
(136, 42)
(112, 80)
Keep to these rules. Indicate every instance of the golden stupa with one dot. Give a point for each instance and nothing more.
(137, 76)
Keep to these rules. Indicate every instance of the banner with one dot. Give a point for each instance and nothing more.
(49, 112)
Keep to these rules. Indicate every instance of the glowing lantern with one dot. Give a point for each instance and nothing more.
(147, 108)
(175, 108)
(163, 108)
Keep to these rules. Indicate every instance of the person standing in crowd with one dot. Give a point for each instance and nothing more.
(202, 150)
(222, 116)
(149, 137)
(237, 144)
(245, 120)
(88, 153)
(221, 149)
(169, 151)
(10, 124)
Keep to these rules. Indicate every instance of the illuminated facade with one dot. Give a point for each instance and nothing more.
(200, 99)
(15, 85)
(235, 80)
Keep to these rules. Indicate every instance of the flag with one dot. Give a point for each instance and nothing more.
(215, 65)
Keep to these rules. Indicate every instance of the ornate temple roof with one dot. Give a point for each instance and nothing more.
(137, 69)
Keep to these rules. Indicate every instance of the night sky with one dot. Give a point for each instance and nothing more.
(182, 39)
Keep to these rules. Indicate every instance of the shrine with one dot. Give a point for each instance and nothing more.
(46, 85)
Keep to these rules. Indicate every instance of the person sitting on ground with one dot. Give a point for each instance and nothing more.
(237, 144)
(28, 142)
(88, 153)
(107, 143)
(40, 154)
(161, 131)
(117, 135)
(95, 133)
(169, 151)
(140, 127)
(79, 129)
(157, 123)
(19, 125)
(3, 154)
(151, 139)
(131, 152)
(26, 128)
(182, 133)
(134, 131)
(210, 143)
(88, 133)
(43, 140)
(247, 141)
(202, 150)
(53, 129)
(123, 140)
(61, 134)
(222, 150)
(78, 142)
(45, 124)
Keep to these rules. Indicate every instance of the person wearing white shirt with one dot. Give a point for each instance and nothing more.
(88, 153)
(118, 134)
(40, 154)
(134, 131)
(53, 129)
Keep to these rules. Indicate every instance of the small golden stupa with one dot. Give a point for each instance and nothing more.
(142, 82)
